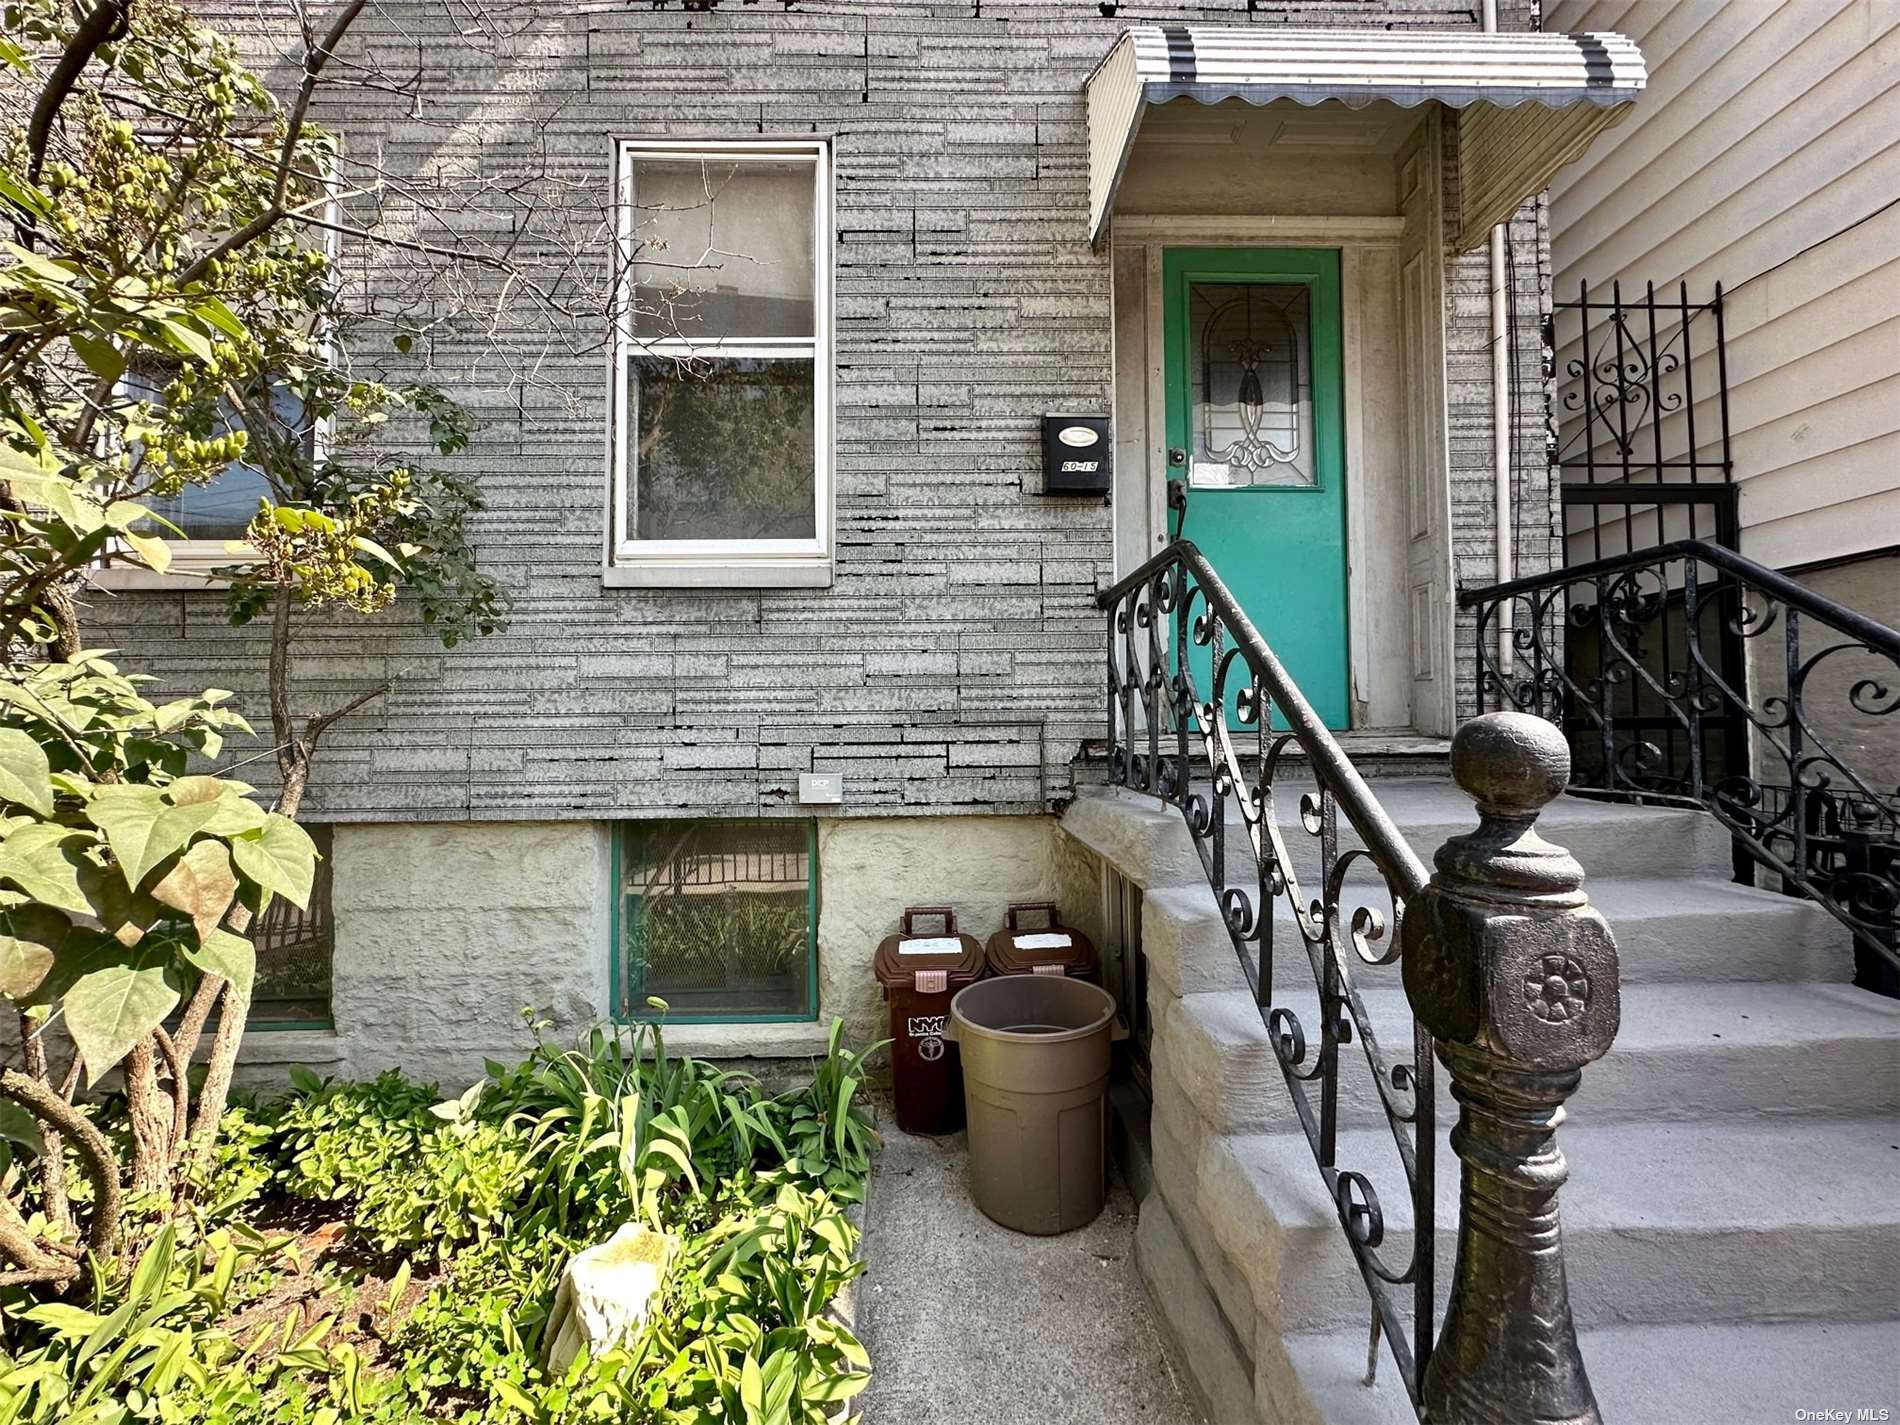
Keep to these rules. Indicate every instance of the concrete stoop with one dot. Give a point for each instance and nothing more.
(1732, 1224)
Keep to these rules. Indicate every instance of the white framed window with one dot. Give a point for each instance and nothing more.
(722, 366)
(208, 520)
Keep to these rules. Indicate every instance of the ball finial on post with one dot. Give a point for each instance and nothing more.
(1510, 763)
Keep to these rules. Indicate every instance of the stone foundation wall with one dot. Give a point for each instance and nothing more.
(445, 931)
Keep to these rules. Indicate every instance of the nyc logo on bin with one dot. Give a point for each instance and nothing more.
(927, 1029)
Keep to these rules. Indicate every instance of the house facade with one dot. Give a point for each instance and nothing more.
(803, 634)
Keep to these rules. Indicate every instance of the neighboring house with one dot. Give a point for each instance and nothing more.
(833, 551)
(1762, 163)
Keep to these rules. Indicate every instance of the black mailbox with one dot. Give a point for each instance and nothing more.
(1076, 458)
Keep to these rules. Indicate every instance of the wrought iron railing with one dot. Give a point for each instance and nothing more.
(1189, 745)
(1687, 673)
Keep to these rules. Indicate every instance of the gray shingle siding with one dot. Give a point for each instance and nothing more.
(955, 663)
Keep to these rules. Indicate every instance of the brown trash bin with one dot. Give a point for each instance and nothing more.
(920, 974)
(1033, 941)
(1035, 1082)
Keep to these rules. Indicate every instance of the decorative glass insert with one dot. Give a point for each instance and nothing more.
(1251, 407)
(717, 918)
(723, 448)
(295, 949)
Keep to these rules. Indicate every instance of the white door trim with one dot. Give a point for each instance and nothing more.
(1375, 585)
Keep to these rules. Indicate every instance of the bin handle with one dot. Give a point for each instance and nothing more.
(1048, 908)
(909, 922)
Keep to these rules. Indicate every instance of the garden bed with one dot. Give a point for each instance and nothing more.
(371, 1252)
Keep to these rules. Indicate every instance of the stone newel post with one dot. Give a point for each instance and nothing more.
(1514, 973)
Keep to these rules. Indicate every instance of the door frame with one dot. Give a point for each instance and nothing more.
(1383, 648)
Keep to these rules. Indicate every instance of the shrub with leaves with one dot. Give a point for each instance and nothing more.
(826, 1135)
(170, 306)
(124, 886)
(467, 1194)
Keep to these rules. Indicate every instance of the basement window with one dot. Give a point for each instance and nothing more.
(717, 918)
(295, 950)
(722, 376)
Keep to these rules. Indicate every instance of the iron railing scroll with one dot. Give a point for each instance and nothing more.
(1689, 674)
(1167, 738)
(1643, 452)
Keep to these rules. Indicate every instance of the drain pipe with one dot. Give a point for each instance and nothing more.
(1500, 413)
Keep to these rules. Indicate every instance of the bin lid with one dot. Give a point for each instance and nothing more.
(1034, 941)
(919, 946)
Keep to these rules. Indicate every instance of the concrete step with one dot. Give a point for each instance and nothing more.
(1684, 1052)
(1147, 840)
(1642, 1375)
(1731, 1220)
(1674, 931)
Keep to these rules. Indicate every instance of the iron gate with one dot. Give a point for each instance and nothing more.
(1643, 459)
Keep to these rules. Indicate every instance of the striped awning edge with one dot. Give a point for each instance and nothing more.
(1533, 101)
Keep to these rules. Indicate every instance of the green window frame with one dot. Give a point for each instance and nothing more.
(686, 894)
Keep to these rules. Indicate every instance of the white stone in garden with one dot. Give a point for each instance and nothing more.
(605, 1292)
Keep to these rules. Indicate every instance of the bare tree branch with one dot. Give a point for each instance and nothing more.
(316, 57)
(104, 24)
(95, 1153)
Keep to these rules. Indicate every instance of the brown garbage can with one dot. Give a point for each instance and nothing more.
(1035, 1085)
(1033, 941)
(920, 973)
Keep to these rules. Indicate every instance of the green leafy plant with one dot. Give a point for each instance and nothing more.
(827, 1132)
(482, 1198)
(129, 1350)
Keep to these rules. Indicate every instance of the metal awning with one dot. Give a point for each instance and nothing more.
(1531, 102)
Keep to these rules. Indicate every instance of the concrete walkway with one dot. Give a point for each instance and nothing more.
(971, 1324)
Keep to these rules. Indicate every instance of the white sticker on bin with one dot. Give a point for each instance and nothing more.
(930, 945)
(1044, 941)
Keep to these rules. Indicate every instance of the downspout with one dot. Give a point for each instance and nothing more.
(1500, 413)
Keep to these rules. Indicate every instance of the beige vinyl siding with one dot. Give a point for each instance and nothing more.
(1769, 134)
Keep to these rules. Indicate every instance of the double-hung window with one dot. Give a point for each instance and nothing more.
(722, 372)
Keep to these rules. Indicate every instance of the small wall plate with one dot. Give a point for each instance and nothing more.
(821, 788)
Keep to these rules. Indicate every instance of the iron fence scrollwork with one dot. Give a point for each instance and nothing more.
(1326, 893)
(1687, 673)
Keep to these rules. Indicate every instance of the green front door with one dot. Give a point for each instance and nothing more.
(1256, 436)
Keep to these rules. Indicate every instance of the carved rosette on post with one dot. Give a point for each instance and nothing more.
(1514, 973)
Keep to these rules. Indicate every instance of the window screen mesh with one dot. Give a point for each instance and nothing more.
(716, 918)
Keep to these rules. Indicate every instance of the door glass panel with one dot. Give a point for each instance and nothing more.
(1251, 407)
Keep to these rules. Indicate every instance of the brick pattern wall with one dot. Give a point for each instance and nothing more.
(955, 663)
